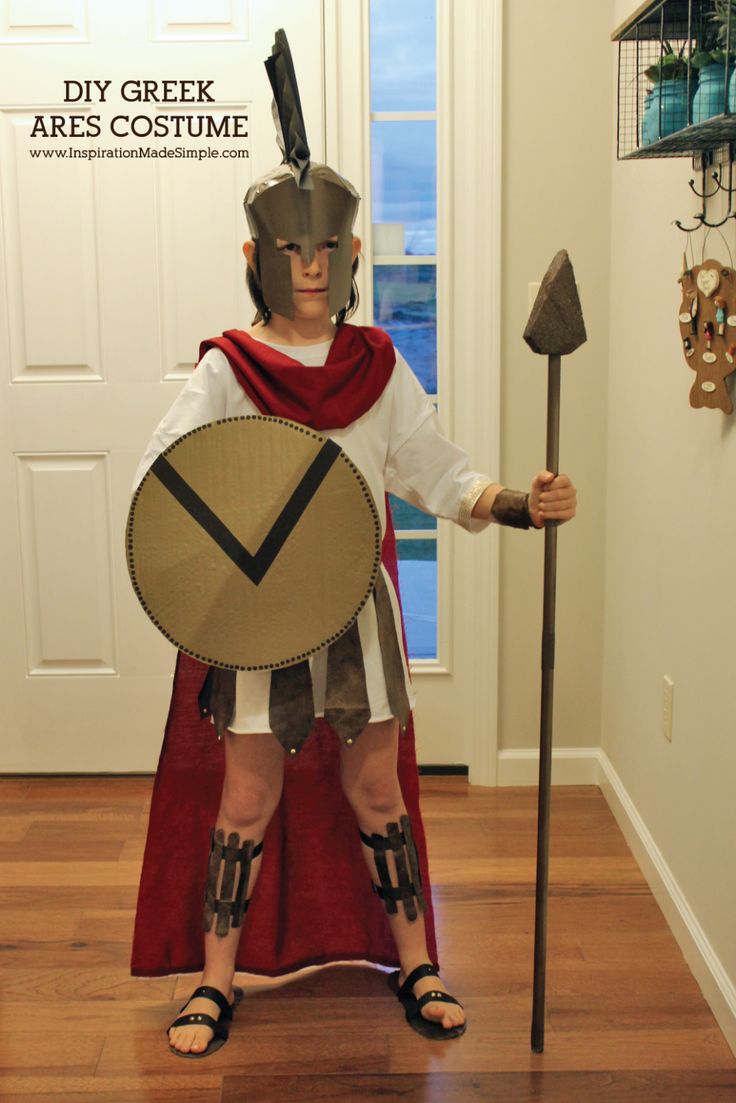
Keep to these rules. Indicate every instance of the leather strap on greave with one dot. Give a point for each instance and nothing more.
(410, 880)
(228, 909)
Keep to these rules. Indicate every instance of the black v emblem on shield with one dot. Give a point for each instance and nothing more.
(254, 566)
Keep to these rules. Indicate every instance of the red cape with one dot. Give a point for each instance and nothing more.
(313, 901)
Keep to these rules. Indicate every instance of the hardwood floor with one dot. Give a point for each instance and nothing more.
(625, 1018)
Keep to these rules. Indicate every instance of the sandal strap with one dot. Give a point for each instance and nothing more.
(214, 994)
(424, 970)
(201, 1019)
(436, 997)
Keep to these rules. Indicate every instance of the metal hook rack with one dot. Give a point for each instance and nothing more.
(704, 194)
(701, 219)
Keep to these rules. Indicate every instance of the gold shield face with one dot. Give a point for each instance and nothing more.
(253, 542)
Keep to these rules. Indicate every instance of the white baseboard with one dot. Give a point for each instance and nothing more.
(570, 766)
(591, 766)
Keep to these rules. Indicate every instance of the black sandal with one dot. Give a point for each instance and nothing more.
(221, 1031)
(413, 1006)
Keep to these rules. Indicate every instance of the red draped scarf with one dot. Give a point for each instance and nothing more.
(313, 901)
(358, 367)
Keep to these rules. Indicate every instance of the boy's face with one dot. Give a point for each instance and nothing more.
(310, 278)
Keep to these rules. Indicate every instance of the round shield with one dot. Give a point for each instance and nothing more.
(253, 542)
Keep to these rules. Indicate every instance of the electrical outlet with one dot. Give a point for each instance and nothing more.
(667, 700)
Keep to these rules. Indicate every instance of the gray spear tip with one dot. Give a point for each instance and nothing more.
(556, 326)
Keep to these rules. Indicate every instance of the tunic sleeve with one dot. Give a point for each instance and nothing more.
(423, 466)
(202, 399)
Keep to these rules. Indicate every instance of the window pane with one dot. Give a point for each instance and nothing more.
(405, 305)
(409, 517)
(418, 584)
(403, 179)
(402, 55)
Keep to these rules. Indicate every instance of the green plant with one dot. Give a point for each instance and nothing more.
(723, 14)
(671, 65)
(702, 58)
(712, 33)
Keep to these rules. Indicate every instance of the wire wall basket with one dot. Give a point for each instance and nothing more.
(677, 79)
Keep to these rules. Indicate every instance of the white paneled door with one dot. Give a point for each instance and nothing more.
(113, 267)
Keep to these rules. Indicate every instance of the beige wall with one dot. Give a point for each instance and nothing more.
(646, 573)
(557, 136)
(670, 554)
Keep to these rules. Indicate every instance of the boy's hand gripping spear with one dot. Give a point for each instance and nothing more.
(555, 329)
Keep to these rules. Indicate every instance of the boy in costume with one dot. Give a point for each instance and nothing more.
(310, 748)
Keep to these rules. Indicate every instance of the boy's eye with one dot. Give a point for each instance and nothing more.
(289, 247)
(330, 246)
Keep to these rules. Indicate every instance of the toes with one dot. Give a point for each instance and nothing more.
(185, 1040)
(438, 1012)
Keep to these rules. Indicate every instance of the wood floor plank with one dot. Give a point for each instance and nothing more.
(312, 1047)
(14, 828)
(186, 1075)
(90, 984)
(115, 926)
(121, 1094)
(64, 955)
(69, 897)
(562, 871)
(62, 874)
(60, 1054)
(485, 1049)
(523, 1087)
(33, 926)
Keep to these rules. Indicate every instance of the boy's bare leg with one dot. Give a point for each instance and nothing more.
(254, 774)
(371, 785)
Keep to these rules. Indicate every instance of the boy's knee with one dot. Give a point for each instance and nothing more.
(245, 806)
(377, 796)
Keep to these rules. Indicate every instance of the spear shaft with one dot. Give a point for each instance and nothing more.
(545, 733)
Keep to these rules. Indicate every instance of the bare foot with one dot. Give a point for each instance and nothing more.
(195, 1039)
(449, 1014)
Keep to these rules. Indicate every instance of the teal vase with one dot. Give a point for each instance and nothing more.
(710, 96)
(665, 110)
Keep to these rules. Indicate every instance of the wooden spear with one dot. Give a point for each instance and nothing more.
(555, 329)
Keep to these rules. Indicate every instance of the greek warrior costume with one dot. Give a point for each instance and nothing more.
(396, 428)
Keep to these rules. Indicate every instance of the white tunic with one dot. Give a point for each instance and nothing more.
(398, 445)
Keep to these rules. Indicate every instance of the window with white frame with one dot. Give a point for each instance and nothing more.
(404, 219)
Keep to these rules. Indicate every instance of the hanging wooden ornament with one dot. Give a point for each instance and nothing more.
(708, 332)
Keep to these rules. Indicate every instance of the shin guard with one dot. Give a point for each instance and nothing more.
(400, 842)
(229, 908)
